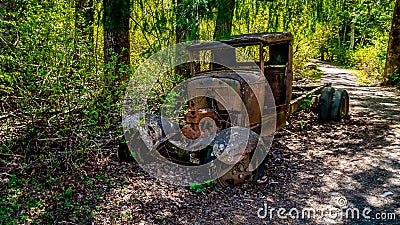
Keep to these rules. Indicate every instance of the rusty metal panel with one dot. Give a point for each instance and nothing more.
(254, 96)
(220, 89)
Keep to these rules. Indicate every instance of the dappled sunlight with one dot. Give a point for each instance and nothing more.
(363, 169)
(376, 102)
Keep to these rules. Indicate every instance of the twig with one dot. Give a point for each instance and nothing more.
(52, 139)
(5, 174)
(62, 112)
(17, 40)
(5, 116)
(14, 155)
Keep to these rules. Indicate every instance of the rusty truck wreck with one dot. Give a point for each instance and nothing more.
(261, 83)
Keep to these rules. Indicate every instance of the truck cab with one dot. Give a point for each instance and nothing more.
(257, 66)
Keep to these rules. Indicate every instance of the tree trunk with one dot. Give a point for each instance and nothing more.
(187, 29)
(322, 50)
(393, 53)
(187, 21)
(9, 36)
(353, 31)
(223, 26)
(116, 38)
(84, 18)
(179, 29)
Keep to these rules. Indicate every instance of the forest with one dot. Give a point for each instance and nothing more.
(65, 65)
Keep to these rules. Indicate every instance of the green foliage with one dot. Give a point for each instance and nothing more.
(306, 103)
(301, 124)
(304, 51)
(328, 23)
(152, 27)
(313, 23)
(371, 59)
(197, 187)
(395, 77)
(55, 87)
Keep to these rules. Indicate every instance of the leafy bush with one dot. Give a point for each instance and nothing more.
(53, 92)
(370, 60)
(304, 51)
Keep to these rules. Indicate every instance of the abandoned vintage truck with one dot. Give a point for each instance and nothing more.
(261, 88)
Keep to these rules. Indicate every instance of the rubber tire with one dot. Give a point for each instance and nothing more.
(340, 105)
(325, 103)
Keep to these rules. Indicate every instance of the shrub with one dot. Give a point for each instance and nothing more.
(371, 60)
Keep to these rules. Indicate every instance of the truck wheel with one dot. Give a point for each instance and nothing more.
(325, 102)
(340, 105)
(240, 172)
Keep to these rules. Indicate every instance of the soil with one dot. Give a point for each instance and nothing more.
(353, 164)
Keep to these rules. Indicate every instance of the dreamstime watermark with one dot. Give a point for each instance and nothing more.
(340, 210)
(145, 131)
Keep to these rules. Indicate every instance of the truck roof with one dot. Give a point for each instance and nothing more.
(244, 40)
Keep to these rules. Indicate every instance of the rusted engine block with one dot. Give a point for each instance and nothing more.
(199, 122)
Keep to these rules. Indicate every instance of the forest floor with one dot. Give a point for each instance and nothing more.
(332, 167)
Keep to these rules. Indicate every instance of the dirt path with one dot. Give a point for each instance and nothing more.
(362, 155)
(375, 101)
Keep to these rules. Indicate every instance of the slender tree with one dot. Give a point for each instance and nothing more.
(352, 37)
(392, 68)
(8, 36)
(83, 36)
(84, 18)
(188, 15)
(187, 28)
(179, 29)
(223, 25)
(116, 36)
(180, 36)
